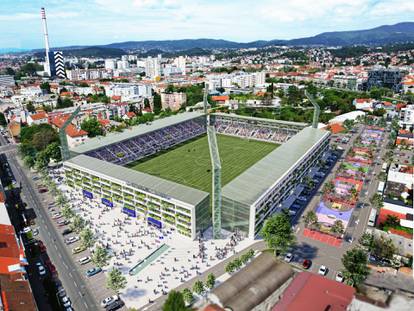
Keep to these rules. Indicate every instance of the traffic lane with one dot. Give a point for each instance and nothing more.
(70, 283)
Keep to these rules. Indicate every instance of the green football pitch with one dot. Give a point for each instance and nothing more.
(189, 163)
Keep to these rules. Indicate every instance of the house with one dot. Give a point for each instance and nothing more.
(366, 104)
(129, 115)
(14, 129)
(221, 99)
(173, 101)
(312, 292)
(74, 135)
(37, 118)
(16, 293)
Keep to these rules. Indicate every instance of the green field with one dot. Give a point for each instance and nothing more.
(189, 164)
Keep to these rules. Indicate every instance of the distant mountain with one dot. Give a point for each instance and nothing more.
(382, 35)
(12, 50)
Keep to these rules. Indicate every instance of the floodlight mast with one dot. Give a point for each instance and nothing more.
(216, 169)
(317, 110)
(62, 135)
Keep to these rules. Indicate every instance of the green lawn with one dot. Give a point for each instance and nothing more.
(189, 164)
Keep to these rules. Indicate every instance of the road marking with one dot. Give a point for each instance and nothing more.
(60, 256)
(65, 266)
(70, 275)
(86, 306)
(76, 284)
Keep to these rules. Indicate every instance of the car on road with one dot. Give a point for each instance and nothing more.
(67, 231)
(339, 277)
(84, 260)
(93, 271)
(66, 301)
(115, 305)
(108, 300)
(78, 250)
(71, 240)
(288, 257)
(307, 263)
(35, 177)
(40, 269)
(35, 231)
(42, 190)
(323, 270)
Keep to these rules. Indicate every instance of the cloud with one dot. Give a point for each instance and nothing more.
(32, 16)
(392, 8)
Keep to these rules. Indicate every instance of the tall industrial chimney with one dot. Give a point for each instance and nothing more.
(47, 63)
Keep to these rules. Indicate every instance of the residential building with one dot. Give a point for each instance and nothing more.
(37, 118)
(407, 117)
(6, 80)
(180, 62)
(110, 64)
(153, 67)
(384, 77)
(173, 101)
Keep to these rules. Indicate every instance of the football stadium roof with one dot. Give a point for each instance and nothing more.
(252, 183)
(141, 180)
(141, 129)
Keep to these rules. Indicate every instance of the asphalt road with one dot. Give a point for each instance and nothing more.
(70, 277)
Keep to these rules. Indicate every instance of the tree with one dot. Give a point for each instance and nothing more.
(53, 151)
(230, 267)
(100, 256)
(391, 221)
(146, 103)
(3, 121)
(337, 227)
(367, 240)
(174, 302)
(29, 161)
(328, 187)
(355, 262)
(198, 287)
(115, 280)
(187, 295)
(64, 103)
(310, 218)
(42, 160)
(237, 263)
(67, 212)
(45, 86)
(157, 103)
(278, 233)
(92, 126)
(376, 201)
(30, 107)
(348, 124)
(87, 238)
(211, 281)
(384, 247)
(78, 223)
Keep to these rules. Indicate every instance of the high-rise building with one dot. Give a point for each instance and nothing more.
(152, 67)
(110, 64)
(384, 77)
(180, 62)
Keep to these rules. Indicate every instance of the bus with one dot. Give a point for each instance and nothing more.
(381, 187)
(372, 217)
(384, 167)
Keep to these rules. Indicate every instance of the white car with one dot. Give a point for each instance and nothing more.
(66, 301)
(41, 269)
(84, 260)
(108, 300)
(323, 270)
(71, 240)
(339, 277)
(288, 257)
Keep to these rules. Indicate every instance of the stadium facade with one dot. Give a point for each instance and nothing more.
(97, 170)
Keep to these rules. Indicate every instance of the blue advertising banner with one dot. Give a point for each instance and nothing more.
(129, 212)
(107, 202)
(87, 194)
(155, 222)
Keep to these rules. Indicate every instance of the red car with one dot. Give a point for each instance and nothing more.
(50, 266)
(41, 246)
(306, 263)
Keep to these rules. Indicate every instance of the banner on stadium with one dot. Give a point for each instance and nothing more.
(155, 222)
(87, 194)
(129, 212)
(107, 202)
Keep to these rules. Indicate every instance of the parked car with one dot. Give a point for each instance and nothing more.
(35, 231)
(339, 277)
(323, 270)
(41, 269)
(288, 257)
(71, 240)
(78, 250)
(84, 260)
(306, 263)
(108, 300)
(63, 222)
(115, 305)
(67, 231)
(42, 247)
(66, 301)
(93, 271)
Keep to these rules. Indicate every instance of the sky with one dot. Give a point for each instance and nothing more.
(92, 22)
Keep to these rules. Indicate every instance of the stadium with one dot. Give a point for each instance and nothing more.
(161, 172)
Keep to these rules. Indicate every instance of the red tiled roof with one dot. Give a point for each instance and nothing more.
(362, 100)
(131, 114)
(104, 122)
(336, 128)
(72, 131)
(66, 94)
(220, 98)
(116, 97)
(39, 115)
(311, 292)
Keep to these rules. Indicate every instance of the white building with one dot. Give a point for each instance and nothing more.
(128, 91)
(110, 64)
(180, 62)
(153, 67)
(174, 101)
(37, 118)
(407, 116)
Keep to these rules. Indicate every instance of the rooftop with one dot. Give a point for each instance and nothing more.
(141, 129)
(276, 122)
(141, 180)
(252, 183)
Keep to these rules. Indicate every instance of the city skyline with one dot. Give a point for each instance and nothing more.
(174, 19)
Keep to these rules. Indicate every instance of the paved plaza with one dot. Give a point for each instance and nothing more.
(131, 240)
